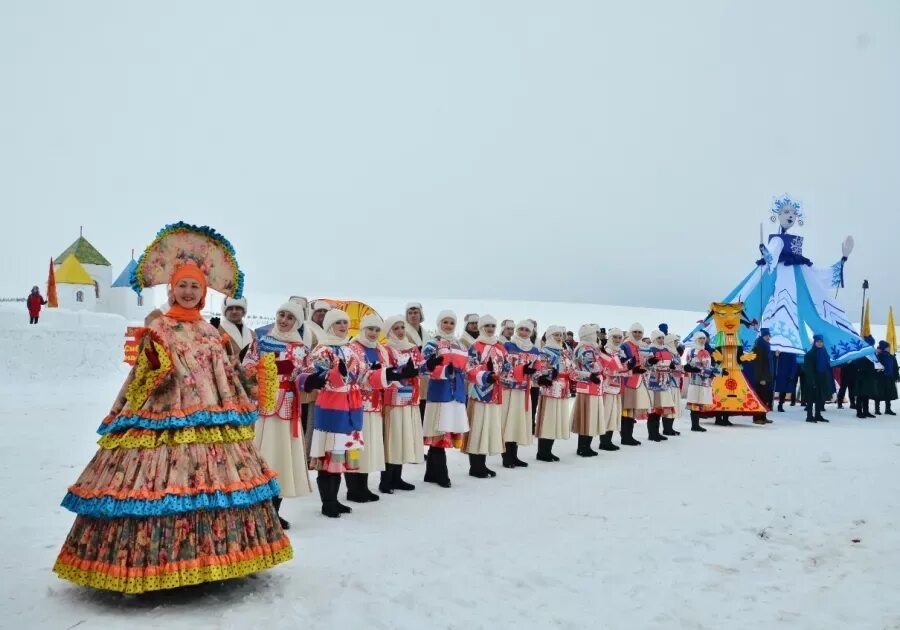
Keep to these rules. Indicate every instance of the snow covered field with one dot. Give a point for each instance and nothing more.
(743, 527)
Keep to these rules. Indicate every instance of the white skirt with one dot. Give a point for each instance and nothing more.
(515, 422)
(447, 417)
(553, 419)
(699, 395)
(662, 399)
(676, 396)
(284, 453)
(403, 435)
(612, 412)
(371, 459)
(485, 437)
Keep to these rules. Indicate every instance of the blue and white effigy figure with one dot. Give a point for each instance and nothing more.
(790, 296)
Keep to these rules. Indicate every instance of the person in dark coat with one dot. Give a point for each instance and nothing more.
(865, 383)
(886, 379)
(786, 369)
(34, 303)
(763, 373)
(848, 385)
(818, 380)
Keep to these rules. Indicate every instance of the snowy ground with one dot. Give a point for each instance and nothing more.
(745, 527)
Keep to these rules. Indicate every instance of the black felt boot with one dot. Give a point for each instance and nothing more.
(276, 503)
(669, 427)
(653, 428)
(490, 472)
(477, 468)
(513, 449)
(543, 450)
(506, 456)
(695, 422)
(335, 490)
(606, 443)
(397, 482)
(723, 421)
(329, 501)
(627, 432)
(584, 447)
(385, 485)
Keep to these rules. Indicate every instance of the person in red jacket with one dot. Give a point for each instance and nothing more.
(35, 301)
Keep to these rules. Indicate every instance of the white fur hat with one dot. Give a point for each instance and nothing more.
(417, 305)
(471, 318)
(390, 321)
(445, 315)
(525, 323)
(486, 320)
(507, 323)
(294, 309)
(333, 316)
(656, 334)
(230, 301)
(615, 331)
(371, 321)
(636, 327)
(588, 333)
(321, 305)
(552, 330)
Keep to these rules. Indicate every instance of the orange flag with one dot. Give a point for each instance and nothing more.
(52, 300)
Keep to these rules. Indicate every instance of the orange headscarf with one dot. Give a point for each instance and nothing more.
(191, 271)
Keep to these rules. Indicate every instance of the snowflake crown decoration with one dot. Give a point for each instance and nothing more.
(783, 202)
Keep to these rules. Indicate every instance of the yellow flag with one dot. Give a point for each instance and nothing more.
(891, 331)
(866, 324)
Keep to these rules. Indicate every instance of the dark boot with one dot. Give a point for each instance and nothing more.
(653, 428)
(695, 422)
(276, 503)
(820, 418)
(781, 399)
(606, 443)
(335, 490)
(584, 447)
(513, 448)
(669, 427)
(490, 472)
(476, 468)
(329, 502)
(877, 407)
(809, 415)
(627, 432)
(507, 459)
(436, 467)
(543, 450)
(887, 409)
(397, 482)
(363, 487)
(385, 486)
(355, 493)
(723, 421)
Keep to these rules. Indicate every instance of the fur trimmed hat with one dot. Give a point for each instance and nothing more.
(588, 333)
(321, 305)
(371, 321)
(636, 327)
(294, 309)
(332, 317)
(445, 315)
(230, 301)
(470, 318)
(526, 323)
(486, 320)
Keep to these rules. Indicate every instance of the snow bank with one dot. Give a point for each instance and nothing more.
(63, 345)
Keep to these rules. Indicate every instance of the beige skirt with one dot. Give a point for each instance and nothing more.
(676, 396)
(659, 400)
(587, 415)
(552, 419)
(371, 459)
(284, 453)
(516, 419)
(403, 435)
(699, 395)
(636, 398)
(485, 436)
(612, 412)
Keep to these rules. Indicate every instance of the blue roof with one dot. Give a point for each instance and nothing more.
(124, 279)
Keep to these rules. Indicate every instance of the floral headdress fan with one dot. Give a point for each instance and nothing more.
(181, 242)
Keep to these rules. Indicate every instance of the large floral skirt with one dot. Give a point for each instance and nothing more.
(135, 555)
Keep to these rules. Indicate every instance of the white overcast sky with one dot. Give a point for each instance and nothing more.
(612, 152)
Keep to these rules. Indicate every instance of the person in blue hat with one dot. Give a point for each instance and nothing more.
(886, 379)
(763, 373)
(818, 378)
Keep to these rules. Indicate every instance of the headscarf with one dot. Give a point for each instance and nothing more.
(441, 334)
(328, 337)
(525, 345)
(487, 320)
(369, 321)
(403, 344)
(549, 341)
(189, 271)
(292, 336)
(589, 334)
